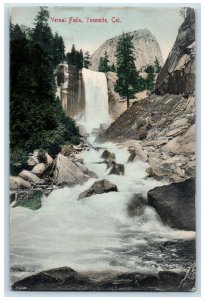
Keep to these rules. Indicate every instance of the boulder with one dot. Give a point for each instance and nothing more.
(13, 197)
(136, 151)
(57, 279)
(189, 280)
(16, 182)
(39, 169)
(107, 155)
(99, 187)
(29, 176)
(136, 205)
(66, 279)
(117, 169)
(32, 161)
(86, 170)
(175, 204)
(78, 157)
(67, 150)
(67, 172)
(49, 159)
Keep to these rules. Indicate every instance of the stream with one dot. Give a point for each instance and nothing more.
(96, 235)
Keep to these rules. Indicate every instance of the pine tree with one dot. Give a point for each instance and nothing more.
(103, 63)
(157, 65)
(16, 32)
(112, 68)
(150, 77)
(42, 33)
(58, 49)
(127, 82)
(75, 58)
(86, 61)
(81, 59)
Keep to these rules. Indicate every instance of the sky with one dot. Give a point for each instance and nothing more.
(88, 36)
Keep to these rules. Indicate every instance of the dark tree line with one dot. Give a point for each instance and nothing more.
(76, 58)
(37, 120)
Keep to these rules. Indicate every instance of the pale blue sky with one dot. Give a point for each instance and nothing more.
(162, 22)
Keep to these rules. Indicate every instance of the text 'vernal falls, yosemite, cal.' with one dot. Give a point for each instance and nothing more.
(102, 149)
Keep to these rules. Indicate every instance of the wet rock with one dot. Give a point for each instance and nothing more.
(99, 187)
(136, 205)
(66, 279)
(189, 280)
(12, 196)
(38, 169)
(136, 151)
(57, 279)
(29, 176)
(175, 204)
(170, 280)
(108, 156)
(117, 169)
(67, 172)
(16, 182)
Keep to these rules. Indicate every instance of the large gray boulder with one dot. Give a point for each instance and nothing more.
(99, 187)
(16, 182)
(175, 204)
(38, 169)
(29, 176)
(67, 172)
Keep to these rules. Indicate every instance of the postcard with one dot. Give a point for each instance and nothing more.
(102, 148)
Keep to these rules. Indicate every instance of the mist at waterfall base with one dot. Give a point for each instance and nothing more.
(96, 235)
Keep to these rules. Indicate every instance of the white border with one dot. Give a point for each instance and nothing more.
(4, 121)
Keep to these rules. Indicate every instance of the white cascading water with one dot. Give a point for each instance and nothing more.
(95, 234)
(96, 95)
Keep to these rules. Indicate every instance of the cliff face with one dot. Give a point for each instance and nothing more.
(70, 89)
(164, 124)
(178, 73)
(146, 50)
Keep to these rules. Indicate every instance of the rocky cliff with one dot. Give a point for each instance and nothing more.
(146, 50)
(164, 123)
(70, 89)
(178, 73)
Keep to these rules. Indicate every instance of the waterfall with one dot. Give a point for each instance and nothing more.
(96, 99)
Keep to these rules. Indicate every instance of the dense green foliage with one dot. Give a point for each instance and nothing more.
(157, 65)
(103, 64)
(37, 120)
(150, 81)
(75, 58)
(128, 82)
